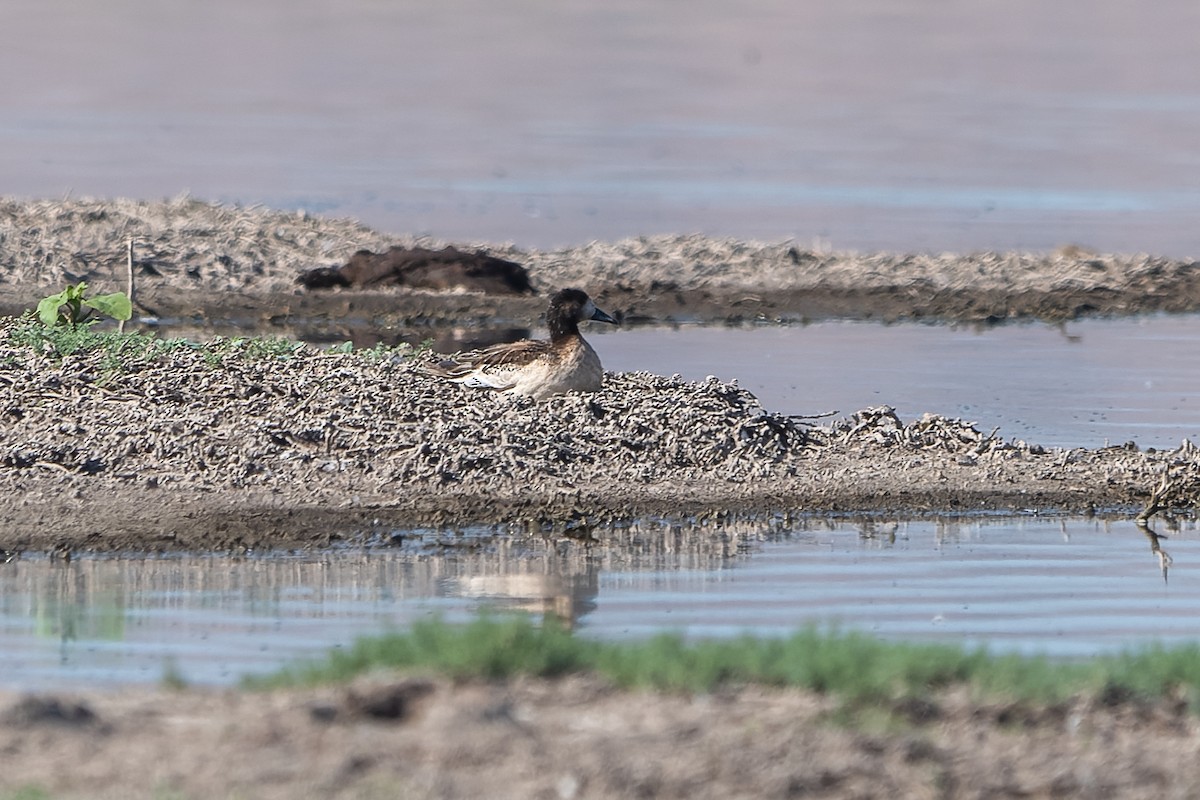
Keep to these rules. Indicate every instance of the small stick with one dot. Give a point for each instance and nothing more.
(129, 279)
(821, 415)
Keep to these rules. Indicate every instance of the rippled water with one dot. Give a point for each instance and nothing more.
(1065, 587)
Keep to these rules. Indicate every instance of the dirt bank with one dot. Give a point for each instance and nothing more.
(579, 738)
(234, 446)
(202, 449)
(237, 445)
(213, 264)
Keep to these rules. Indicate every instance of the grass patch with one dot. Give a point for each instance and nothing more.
(857, 668)
(124, 351)
(488, 647)
(26, 793)
(65, 340)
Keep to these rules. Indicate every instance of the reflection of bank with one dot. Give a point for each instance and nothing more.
(566, 591)
(65, 605)
(211, 618)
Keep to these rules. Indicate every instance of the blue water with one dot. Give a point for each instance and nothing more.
(1063, 587)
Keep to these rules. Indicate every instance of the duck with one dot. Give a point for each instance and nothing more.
(534, 367)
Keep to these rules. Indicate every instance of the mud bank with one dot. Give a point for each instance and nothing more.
(203, 263)
(582, 738)
(228, 446)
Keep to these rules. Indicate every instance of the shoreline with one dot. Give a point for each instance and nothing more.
(203, 263)
(184, 447)
(189, 447)
(140, 445)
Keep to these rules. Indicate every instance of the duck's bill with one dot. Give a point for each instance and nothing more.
(600, 316)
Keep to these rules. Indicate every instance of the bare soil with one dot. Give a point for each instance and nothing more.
(581, 738)
(228, 450)
(290, 452)
(181, 452)
(215, 264)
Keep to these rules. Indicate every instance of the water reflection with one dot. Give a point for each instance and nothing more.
(1155, 539)
(1061, 586)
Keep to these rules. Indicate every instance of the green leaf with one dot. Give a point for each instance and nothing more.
(115, 305)
(47, 309)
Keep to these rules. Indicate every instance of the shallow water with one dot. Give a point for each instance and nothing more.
(1080, 384)
(872, 125)
(1064, 587)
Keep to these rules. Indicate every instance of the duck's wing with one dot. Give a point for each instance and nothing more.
(512, 354)
(495, 367)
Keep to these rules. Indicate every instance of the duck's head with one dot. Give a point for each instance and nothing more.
(568, 308)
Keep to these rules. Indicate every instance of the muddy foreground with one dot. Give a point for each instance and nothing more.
(231, 450)
(579, 738)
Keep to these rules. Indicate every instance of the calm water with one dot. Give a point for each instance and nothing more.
(1082, 384)
(892, 124)
(911, 125)
(1065, 587)
(1088, 383)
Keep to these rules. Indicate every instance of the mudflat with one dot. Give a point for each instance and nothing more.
(232, 446)
(187, 449)
(208, 263)
(581, 738)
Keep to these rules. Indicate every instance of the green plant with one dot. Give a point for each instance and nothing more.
(118, 348)
(856, 668)
(72, 307)
(26, 793)
(172, 677)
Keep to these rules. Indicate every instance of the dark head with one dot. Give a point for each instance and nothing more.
(568, 308)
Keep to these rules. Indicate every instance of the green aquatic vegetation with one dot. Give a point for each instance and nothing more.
(488, 647)
(1154, 671)
(850, 664)
(854, 667)
(172, 676)
(249, 348)
(383, 352)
